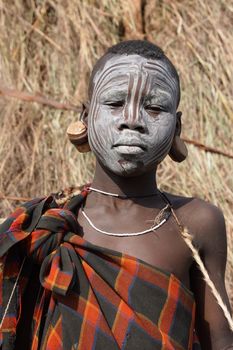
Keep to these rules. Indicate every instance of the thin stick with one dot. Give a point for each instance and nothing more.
(96, 29)
(207, 148)
(188, 240)
(26, 96)
(39, 98)
(17, 199)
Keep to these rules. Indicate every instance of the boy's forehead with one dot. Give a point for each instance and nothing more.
(121, 71)
(123, 64)
(115, 70)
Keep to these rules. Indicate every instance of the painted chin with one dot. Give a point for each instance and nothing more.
(129, 161)
(129, 168)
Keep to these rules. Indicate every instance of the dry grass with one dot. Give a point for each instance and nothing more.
(50, 46)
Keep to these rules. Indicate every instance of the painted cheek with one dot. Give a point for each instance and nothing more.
(101, 134)
(161, 142)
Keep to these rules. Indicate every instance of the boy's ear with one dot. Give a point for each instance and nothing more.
(178, 151)
(84, 113)
(77, 131)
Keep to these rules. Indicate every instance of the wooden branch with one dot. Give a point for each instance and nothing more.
(38, 98)
(27, 97)
(207, 148)
(16, 199)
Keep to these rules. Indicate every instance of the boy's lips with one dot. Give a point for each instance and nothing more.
(130, 142)
(130, 147)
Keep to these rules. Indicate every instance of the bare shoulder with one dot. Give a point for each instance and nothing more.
(203, 219)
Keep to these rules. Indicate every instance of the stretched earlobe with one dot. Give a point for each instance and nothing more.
(77, 133)
(178, 151)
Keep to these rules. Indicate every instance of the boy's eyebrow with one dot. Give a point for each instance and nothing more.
(158, 94)
(161, 98)
(114, 94)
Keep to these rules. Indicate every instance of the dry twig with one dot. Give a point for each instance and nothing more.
(207, 148)
(16, 199)
(25, 96)
(38, 98)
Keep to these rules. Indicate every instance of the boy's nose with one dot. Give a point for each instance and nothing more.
(132, 124)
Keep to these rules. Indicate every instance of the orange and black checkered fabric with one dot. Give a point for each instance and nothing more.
(72, 294)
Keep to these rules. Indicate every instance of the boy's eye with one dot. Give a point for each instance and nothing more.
(153, 109)
(115, 103)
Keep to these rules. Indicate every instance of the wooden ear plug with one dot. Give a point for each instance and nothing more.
(77, 133)
(178, 151)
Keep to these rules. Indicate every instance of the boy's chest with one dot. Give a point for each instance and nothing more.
(163, 248)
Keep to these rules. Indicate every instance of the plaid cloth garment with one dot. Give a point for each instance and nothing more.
(72, 294)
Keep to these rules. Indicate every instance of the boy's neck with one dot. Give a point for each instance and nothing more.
(141, 185)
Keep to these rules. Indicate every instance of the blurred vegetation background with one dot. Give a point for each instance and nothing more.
(48, 48)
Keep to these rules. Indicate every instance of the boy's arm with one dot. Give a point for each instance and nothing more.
(211, 325)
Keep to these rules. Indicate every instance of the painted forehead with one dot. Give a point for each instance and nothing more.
(117, 71)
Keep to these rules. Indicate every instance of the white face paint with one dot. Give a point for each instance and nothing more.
(132, 117)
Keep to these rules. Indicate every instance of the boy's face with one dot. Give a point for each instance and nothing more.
(132, 116)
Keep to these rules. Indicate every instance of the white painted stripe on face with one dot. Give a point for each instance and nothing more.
(137, 87)
(94, 109)
(158, 67)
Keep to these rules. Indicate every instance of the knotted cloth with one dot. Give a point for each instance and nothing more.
(81, 296)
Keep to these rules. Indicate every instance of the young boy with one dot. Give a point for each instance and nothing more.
(113, 267)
